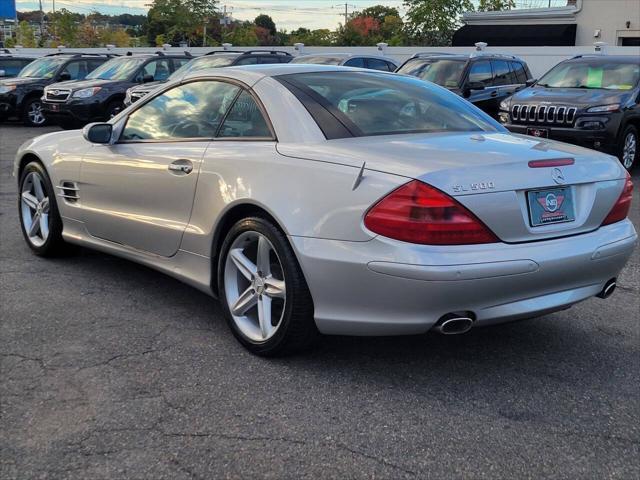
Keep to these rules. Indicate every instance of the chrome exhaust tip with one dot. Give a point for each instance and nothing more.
(454, 323)
(608, 289)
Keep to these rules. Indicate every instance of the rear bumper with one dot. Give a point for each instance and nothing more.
(385, 287)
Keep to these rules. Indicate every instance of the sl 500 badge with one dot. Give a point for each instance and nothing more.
(473, 187)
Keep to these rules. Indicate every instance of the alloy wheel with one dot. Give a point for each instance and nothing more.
(629, 150)
(34, 208)
(254, 286)
(36, 117)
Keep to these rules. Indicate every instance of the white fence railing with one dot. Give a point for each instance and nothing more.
(539, 59)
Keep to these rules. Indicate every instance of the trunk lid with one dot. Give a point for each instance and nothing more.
(489, 173)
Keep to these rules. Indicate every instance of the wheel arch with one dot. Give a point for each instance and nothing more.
(27, 158)
(228, 218)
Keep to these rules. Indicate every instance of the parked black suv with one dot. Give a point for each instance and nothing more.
(589, 100)
(215, 59)
(485, 79)
(11, 64)
(21, 96)
(101, 94)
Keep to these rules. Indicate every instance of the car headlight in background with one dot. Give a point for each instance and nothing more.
(7, 88)
(86, 92)
(504, 104)
(604, 108)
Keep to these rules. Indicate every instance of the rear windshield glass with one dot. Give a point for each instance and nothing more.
(447, 73)
(203, 63)
(595, 74)
(43, 67)
(117, 68)
(319, 60)
(383, 104)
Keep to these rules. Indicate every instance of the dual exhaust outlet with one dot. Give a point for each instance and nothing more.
(456, 323)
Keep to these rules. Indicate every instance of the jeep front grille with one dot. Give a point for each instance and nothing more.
(543, 114)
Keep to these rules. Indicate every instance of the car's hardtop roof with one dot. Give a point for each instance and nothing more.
(250, 74)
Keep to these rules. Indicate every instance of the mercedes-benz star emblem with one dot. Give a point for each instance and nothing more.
(557, 176)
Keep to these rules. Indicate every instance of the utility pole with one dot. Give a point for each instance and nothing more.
(346, 11)
(41, 23)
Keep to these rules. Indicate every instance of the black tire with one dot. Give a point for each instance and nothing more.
(633, 131)
(28, 105)
(297, 330)
(113, 108)
(54, 244)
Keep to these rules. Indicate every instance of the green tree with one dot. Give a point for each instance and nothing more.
(496, 5)
(266, 22)
(65, 27)
(179, 20)
(379, 12)
(25, 35)
(441, 16)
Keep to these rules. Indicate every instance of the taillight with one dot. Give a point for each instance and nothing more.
(419, 213)
(621, 209)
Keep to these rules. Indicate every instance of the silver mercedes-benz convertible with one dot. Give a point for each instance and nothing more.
(327, 199)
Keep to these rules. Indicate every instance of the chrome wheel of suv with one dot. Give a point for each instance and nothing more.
(34, 113)
(629, 149)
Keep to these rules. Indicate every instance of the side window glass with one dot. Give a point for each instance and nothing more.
(77, 70)
(268, 59)
(481, 72)
(93, 64)
(502, 72)
(193, 110)
(12, 67)
(158, 69)
(355, 62)
(377, 64)
(247, 61)
(178, 62)
(519, 72)
(245, 120)
(392, 67)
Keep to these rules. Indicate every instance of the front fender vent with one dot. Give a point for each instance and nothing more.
(69, 191)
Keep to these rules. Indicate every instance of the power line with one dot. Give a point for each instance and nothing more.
(346, 11)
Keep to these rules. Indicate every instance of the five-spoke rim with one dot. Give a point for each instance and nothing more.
(34, 204)
(254, 286)
(35, 113)
(629, 150)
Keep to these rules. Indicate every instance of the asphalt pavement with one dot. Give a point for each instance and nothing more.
(111, 370)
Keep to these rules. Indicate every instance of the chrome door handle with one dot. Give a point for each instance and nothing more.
(181, 167)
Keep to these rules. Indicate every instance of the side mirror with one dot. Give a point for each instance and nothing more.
(147, 78)
(530, 82)
(98, 133)
(2, 73)
(64, 76)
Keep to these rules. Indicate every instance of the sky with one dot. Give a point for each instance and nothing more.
(288, 14)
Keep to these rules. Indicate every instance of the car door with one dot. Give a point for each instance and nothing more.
(480, 73)
(505, 81)
(139, 191)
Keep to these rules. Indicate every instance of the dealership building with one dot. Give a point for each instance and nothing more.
(579, 23)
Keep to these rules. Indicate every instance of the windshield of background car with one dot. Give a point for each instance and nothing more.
(593, 74)
(447, 73)
(120, 68)
(385, 104)
(43, 67)
(202, 63)
(319, 60)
